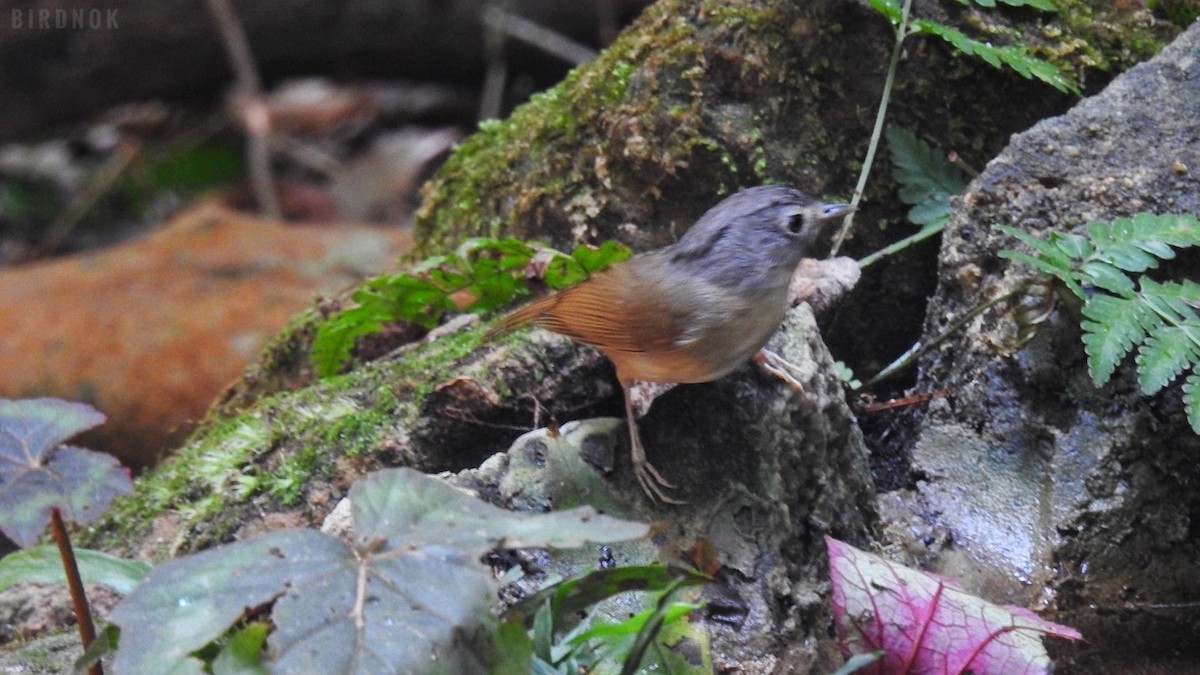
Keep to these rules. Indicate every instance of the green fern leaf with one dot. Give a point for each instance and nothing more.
(1048, 268)
(1173, 229)
(1174, 301)
(1160, 319)
(335, 338)
(927, 180)
(1130, 258)
(1166, 307)
(1075, 246)
(1191, 400)
(1052, 255)
(1013, 57)
(1164, 355)
(1104, 275)
(1111, 328)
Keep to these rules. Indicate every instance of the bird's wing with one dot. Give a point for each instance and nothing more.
(618, 309)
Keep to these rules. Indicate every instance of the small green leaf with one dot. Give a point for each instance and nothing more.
(634, 624)
(858, 662)
(42, 564)
(596, 258)
(514, 649)
(543, 633)
(1047, 251)
(1045, 267)
(572, 596)
(335, 338)
(1174, 302)
(243, 654)
(104, 644)
(1129, 258)
(890, 9)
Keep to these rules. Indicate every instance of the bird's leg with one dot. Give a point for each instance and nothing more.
(780, 367)
(648, 477)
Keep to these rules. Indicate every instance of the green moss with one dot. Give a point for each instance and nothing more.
(607, 109)
(288, 480)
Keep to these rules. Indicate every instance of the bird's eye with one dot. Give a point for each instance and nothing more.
(795, 223)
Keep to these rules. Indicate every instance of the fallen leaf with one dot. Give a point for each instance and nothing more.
(924, 624)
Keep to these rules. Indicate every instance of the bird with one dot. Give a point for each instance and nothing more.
(693, 310)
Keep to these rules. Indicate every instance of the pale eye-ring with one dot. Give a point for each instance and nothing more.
(795, 223)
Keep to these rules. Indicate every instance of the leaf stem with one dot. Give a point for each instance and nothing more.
(897, 246)
(83, 615)
(918, 349)
(876, 133)
(649, 631)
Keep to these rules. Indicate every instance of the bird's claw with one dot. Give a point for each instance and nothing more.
(782, 368)
(653, 483)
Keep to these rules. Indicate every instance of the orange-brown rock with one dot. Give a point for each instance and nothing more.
(150, 331)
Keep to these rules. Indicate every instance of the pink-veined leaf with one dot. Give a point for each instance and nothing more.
(925, 625)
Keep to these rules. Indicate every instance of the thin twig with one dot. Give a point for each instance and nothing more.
(606, 21)
(491, 97)
(919, 349)
(250, 107)
(551, 42)
(83, 615)
(102, 182)
(899, 245)
(877, 132)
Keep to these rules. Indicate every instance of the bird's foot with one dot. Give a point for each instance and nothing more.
(782, 368)
(652, 482)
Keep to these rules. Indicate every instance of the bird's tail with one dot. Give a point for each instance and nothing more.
(525, 315)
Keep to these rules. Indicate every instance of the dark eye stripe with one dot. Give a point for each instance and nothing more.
(703, 249)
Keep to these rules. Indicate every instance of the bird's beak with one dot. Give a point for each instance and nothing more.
(834, 212)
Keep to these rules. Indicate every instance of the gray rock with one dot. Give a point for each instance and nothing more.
(1053, 494)
(766, 472)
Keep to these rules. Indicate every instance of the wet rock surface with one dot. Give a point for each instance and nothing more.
(1035, 487)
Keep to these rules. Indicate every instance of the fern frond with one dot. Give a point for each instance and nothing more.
(1136, 244)
(1164, 355)
(1012, 57)
(1111, 329)
(927, 179)
(1175, 301)
(1044, 5)
(1191, 400)
(1160, 319)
